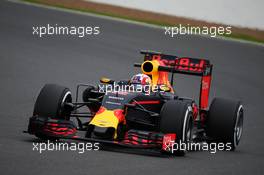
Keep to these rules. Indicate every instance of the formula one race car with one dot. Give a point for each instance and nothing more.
(143, 112)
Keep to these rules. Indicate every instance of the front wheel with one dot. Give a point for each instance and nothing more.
(51, 102)
(51, 116)
(176, 117)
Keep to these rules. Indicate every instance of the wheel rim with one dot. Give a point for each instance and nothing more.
(66, 99)
(238, 126)
(188, 125)
(189, 131)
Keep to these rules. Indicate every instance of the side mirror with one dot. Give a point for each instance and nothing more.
(106, 80)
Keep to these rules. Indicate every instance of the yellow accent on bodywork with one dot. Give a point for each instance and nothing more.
(105, 80)
(106, 119)
(154, 73)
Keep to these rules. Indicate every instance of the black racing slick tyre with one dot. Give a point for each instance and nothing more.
(51, 100)
(176, 117)
(225, 122)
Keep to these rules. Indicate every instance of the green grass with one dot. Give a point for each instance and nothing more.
(153, 22)
(245, 37)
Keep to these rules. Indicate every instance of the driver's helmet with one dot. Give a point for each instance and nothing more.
(141, 80)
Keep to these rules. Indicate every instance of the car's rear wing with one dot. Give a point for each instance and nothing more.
(183, 65)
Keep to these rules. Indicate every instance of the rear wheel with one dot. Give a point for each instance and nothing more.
(225, 122)
(176, 117)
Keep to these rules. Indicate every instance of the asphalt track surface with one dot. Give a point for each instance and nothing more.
(28, 62)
